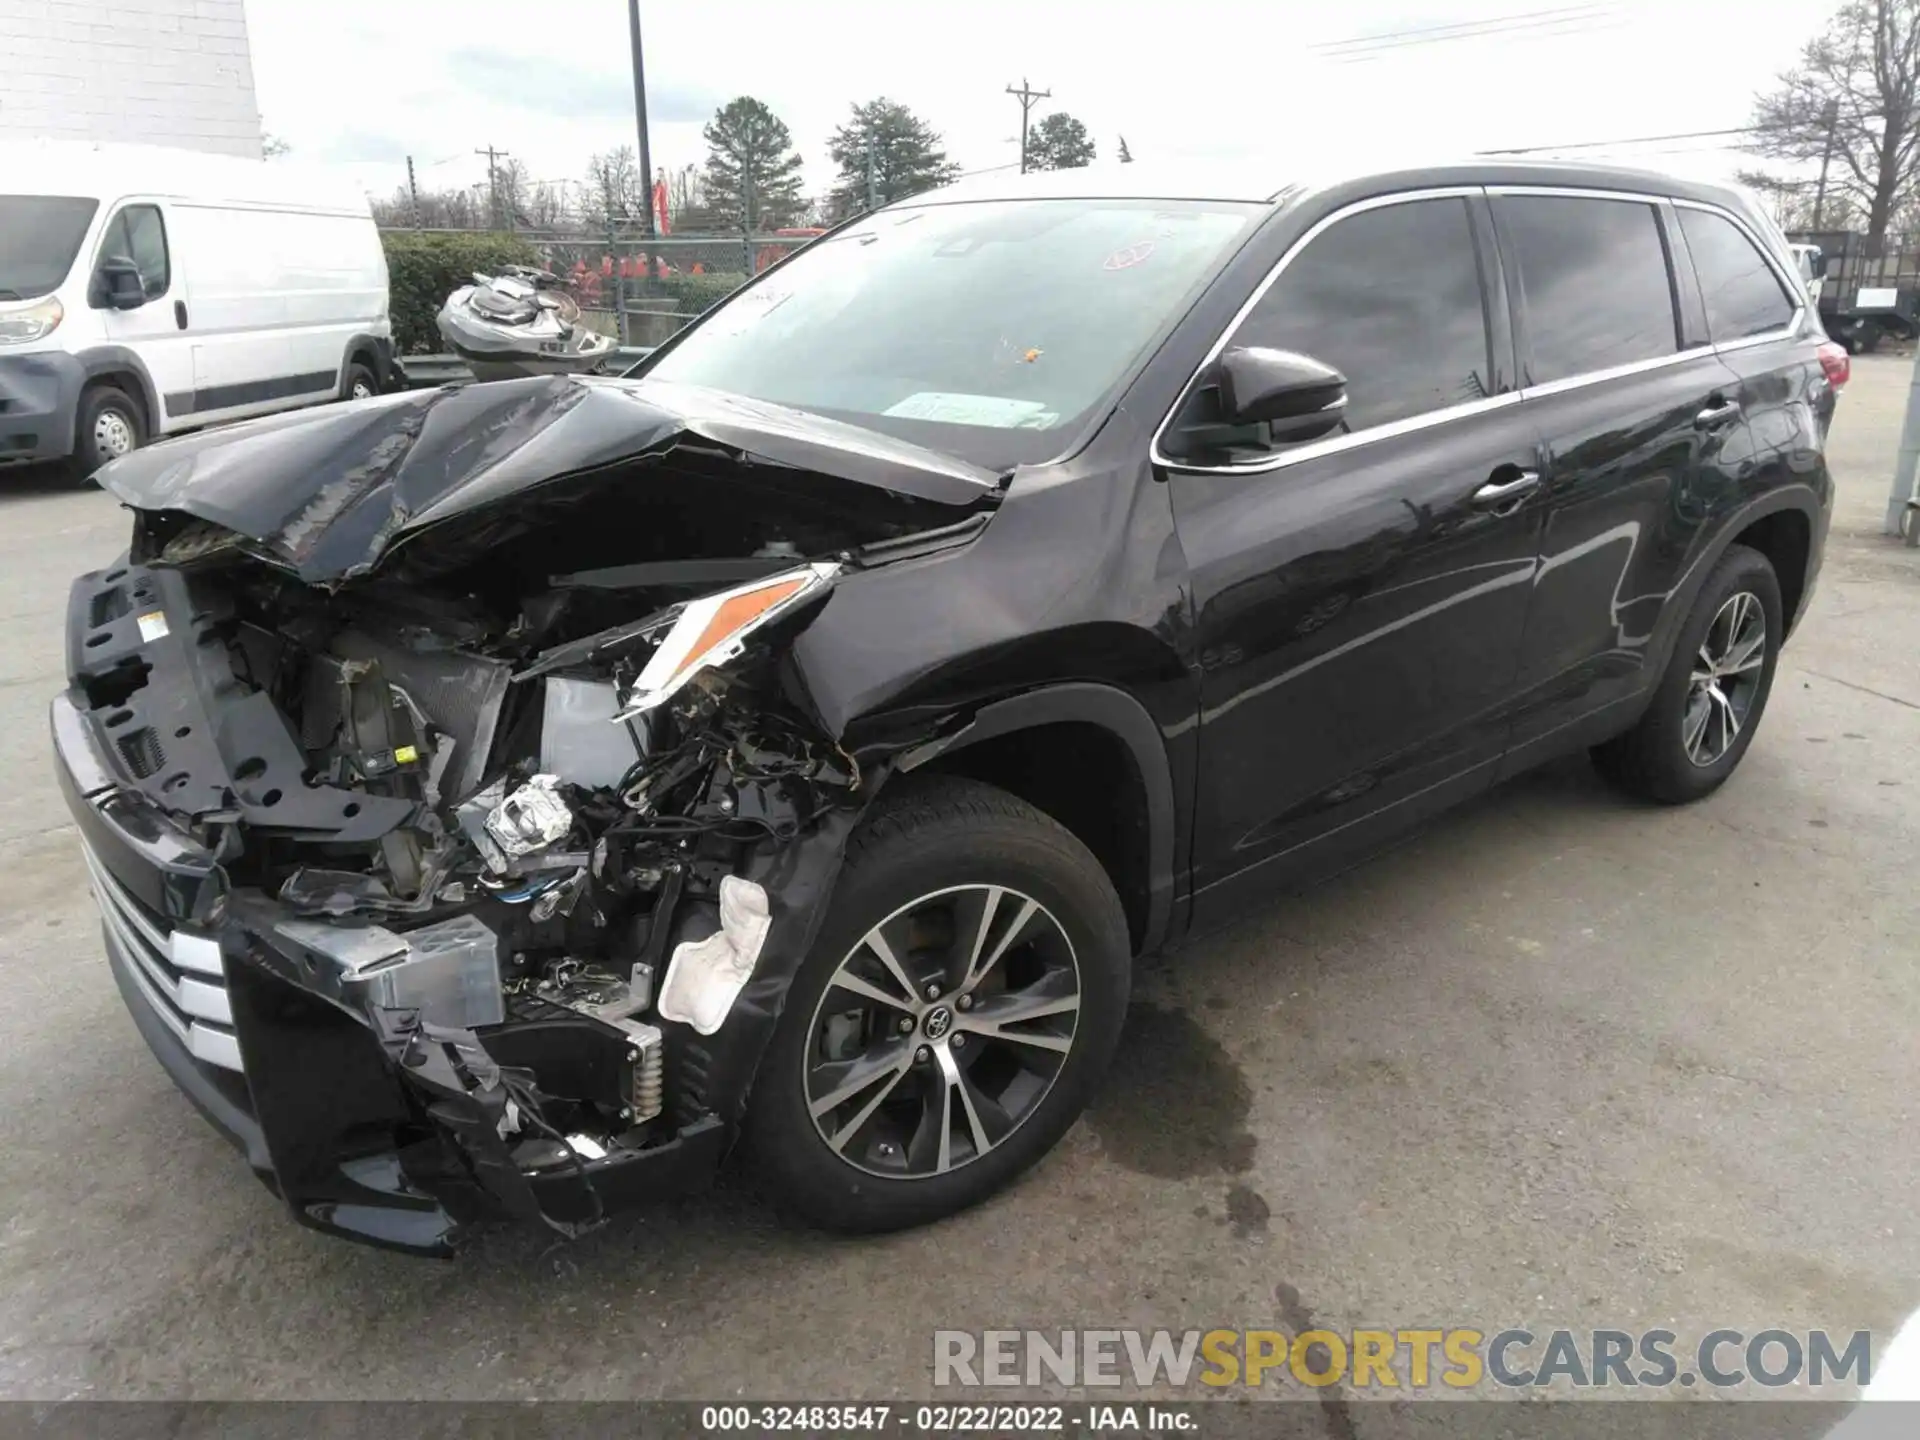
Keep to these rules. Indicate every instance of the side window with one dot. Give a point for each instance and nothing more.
(1743, 293)
(139, 234)
(1594, 274)
(1390, 298)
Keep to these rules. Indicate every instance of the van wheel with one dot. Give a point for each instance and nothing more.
(963, 999)
(358, 383)
(1710, 701)
(109, 424)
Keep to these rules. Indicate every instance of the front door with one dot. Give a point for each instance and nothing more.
(1360, 599)
(156, 331)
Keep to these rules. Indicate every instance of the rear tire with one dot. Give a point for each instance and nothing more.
(967, 1089)
(108, 424)
(1709, 703)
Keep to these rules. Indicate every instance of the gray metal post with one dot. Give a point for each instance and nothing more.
(619, 288)
(1909, 462)
(640, 122)
(746, 220)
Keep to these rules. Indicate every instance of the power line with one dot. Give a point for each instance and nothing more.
(1634, 140)
(1452, 27)
(1532, 20)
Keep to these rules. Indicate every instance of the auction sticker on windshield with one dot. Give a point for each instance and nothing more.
(996, 411)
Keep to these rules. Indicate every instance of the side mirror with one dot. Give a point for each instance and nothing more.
(117, 285)
(1295, 394)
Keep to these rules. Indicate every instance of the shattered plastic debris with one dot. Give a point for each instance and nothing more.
(706, 976)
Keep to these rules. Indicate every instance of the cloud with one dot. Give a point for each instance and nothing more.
(360, 147)
(506, 78)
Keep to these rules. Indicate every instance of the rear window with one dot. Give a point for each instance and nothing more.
(1742, 291)
(39, 236)
(1594, 274)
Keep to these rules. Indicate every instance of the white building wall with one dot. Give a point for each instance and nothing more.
(153, 72)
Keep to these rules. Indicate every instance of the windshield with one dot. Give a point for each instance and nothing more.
(39, 236)
(988, 330)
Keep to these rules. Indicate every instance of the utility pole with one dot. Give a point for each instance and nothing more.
(640, 121)
(413, 194)
(1830, 117)
(1026, 95)
(873, 176)
(493, 182)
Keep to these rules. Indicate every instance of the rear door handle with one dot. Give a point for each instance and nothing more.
(179, 314)
(1506, 486)
(1717, 414)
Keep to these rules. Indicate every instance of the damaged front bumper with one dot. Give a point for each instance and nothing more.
(395, 1153)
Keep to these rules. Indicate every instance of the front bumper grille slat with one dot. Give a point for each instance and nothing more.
(193, 1006)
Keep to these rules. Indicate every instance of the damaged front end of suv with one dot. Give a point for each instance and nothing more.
(456, 806)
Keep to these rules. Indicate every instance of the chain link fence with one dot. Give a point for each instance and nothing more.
(640, 291)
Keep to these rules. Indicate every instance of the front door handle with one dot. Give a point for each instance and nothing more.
(1718, 412)
(1506, 487)
(179, 314)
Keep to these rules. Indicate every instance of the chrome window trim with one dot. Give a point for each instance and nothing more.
(1315, 448)
(1614, 372)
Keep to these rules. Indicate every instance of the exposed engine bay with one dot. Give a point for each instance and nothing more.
(509, 790)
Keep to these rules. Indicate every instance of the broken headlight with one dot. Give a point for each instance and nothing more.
(714, 629)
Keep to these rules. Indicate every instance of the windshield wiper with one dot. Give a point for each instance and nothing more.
(9, 294)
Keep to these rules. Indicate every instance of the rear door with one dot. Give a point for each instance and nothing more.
(250, 357)
(1635, 414)
(1359, 600)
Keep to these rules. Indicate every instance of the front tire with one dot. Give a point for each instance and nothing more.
(1710, 701)
(108, 424)
(961, 1003)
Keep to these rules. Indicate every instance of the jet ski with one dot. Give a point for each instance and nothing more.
(519, 323)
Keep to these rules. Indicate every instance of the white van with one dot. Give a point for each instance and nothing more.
(146, 291)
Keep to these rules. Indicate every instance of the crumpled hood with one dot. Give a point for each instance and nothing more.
(328, 491)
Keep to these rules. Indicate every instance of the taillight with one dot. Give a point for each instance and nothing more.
(1836, 364)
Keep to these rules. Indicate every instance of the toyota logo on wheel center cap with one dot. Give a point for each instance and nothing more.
(939, 1020)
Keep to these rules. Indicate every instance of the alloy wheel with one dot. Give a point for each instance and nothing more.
(361, 391)
(941, 1031)
(1726, 678)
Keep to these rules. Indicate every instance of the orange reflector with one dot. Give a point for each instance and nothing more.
(734, 613)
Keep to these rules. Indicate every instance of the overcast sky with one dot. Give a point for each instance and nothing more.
(368, 82)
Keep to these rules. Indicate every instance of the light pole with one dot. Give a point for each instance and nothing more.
(640, 122)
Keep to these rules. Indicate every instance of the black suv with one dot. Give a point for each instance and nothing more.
(504, 798)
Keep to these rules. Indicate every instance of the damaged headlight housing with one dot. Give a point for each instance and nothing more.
(714, 629)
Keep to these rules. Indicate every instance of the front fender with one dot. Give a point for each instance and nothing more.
(1123, 717)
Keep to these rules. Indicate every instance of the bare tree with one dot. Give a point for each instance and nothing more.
(614, 188)
(1849, 106)
(546, 205)
(687, 199)
(1798, 205)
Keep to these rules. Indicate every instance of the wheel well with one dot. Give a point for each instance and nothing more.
(1084, 776)
(363, 354)
(1785, 538)
(129, 386)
